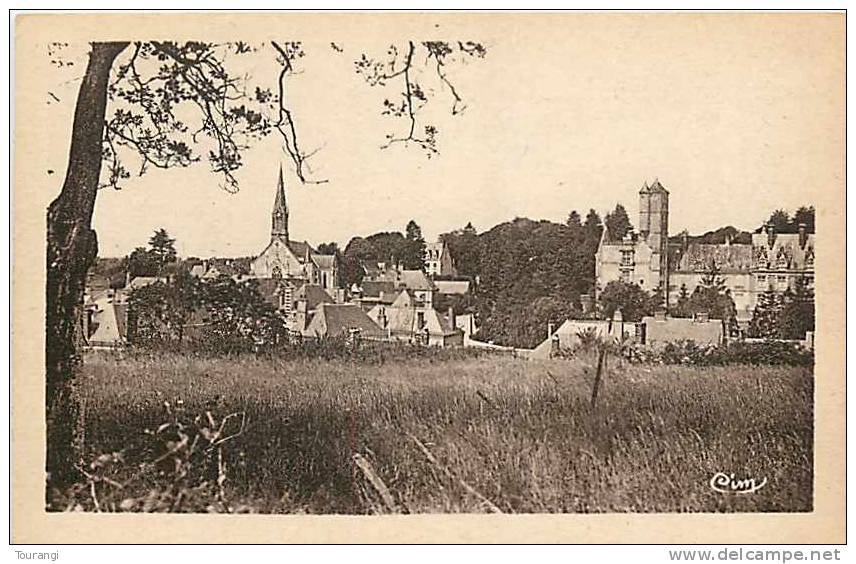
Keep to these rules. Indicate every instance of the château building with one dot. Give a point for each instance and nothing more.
(767, 261)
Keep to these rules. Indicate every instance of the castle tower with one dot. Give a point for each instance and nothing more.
(279, 216)
(654, 226)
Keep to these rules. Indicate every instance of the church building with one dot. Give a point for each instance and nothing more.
(286, 259)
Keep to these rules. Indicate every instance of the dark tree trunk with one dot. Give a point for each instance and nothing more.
(71, 250)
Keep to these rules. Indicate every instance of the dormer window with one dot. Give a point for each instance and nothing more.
(809, 257)
(626, 258)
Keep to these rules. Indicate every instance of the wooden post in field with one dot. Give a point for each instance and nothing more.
(603, 346)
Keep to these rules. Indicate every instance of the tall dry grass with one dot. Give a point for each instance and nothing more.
(470, 435)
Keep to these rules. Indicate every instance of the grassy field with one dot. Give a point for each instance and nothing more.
(465, 435)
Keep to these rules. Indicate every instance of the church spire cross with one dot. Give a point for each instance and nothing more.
(279, 216)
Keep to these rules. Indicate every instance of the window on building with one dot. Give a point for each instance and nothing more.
(626, 258)
(420, 320)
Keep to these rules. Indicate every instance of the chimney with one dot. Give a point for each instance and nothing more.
(702, 317)
(771, 235)
(803, 235)
(685, 241)
(586, 303)
(660, 315)
(549, 329)
(452, 318)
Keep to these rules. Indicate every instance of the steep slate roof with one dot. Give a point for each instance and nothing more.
(657, 188)
(299, 248)
(699, 257)
(403, 320)
(414, 280)
(314, 296)
(785, 253)
(269, 287)
(447, 287)
(335, 320)
(373, 288)
(324, 261)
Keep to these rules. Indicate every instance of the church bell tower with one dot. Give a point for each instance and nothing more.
(279, 216)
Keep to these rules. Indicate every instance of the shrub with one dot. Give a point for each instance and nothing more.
(771, 353)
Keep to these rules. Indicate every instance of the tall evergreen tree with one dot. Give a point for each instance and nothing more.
(780, 220)
(414, 254)
(574, 221)
(618, 222)
(805, 215)
(765, 317)
(162, 248)
(592, 229)
(797, 311)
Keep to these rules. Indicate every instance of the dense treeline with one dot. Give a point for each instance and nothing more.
(529, 273)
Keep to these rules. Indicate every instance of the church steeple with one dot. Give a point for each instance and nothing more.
(279, 216)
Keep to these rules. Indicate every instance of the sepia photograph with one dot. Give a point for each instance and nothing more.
(430, 263)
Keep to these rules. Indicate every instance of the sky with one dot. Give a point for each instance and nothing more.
(735, 116)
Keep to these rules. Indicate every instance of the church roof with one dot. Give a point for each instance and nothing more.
(324, 261)
(299, 248)
(280, 202)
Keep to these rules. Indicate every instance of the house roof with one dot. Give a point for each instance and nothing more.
(334, 320)
(414, 280)
(459, 287)
(314, 296)
(403, 319)
(373, 288)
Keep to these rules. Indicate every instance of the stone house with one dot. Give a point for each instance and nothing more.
(410, 318)
(438, 260)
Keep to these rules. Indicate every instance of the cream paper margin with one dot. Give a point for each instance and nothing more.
(31, 524)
